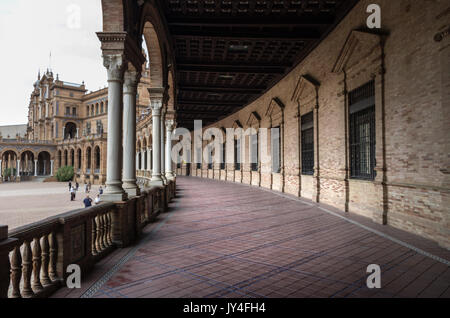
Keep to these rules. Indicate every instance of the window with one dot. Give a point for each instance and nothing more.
(71, 94)
(67, 111)
(210, 157)
(308, 144)
(237, 154)
(57, 108)
(224, 156)
(362, 132)
(74, 111)
(276, 150)
(87, 110)
(254, 152)
(199, 158)
(101, 108)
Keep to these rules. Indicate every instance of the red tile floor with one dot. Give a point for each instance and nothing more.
(228, 240)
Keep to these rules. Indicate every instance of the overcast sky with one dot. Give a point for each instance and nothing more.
(29, 30)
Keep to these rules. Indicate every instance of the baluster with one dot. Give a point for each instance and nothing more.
(98, 244)
(103, 222)
(110, 241)
(53, 256)
(45, 261)
(27, 263)
(37, 262)
(94, 237)
(16, 272)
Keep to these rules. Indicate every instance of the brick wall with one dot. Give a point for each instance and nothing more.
(412, 184)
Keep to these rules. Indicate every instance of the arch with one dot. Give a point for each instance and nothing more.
(80, 158)
(27, 163)
(88, 160)
(59, 158)
(97, 159)
(72, 157)
(158, 75)
(9, 161)
(66, 158)
(70, 130)
(44, 164)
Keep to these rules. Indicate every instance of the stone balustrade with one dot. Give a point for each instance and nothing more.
(34, 258)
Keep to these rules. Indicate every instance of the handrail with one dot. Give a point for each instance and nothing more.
(34, 257)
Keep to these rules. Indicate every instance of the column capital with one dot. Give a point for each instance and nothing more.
(131, 81)
(170, 124)
(156, 105)
(115, 65)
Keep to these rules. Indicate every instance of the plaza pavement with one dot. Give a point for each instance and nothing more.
(234, 241)
(27, 202)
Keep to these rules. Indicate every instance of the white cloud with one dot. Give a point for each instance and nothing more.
(29, 30)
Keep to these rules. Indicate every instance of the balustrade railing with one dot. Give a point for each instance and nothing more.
(34, 258)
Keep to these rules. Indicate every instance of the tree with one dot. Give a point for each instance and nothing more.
(65, 174)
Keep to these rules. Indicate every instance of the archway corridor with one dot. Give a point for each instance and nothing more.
(221, 239)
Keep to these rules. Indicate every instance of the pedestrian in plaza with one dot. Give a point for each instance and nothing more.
(100, 191)
(86, 188)
(70, 185)
(72, 194)
(87, 202)
(90, 186)
(97, 199)
(77, 186)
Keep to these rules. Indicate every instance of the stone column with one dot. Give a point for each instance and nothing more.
(169, 130)
(51, 167)
(78, 132)
(64, 133)
(18, 167)
(115, 67)
(163, 149)
(149, 158)
(45, 166)
(35, 168)
(129, 133)
(156, 106)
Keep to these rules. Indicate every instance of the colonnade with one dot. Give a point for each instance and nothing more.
(122, 160)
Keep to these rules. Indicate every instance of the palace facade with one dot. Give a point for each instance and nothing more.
(67, 126)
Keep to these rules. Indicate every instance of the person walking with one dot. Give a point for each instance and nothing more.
(90, 186)
(70, 185)
(77, 185)
(72, 194)
(100, 191)
(97, 199)
(87, 202)
(86, 188)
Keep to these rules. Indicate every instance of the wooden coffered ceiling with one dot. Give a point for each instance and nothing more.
(229, 52)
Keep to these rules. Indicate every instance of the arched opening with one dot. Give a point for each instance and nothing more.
(70, 131)
(144, 151)
(59, 158)
(66, 159)
(88, 160)
(79, 159)
(139, 156)
(44, 164)
(9, 165)
(27, 164)
(97, 159)
(72, 158)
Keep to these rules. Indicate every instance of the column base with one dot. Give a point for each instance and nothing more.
(156, 183)
(170, 176)
(133, 192)
(114, 197)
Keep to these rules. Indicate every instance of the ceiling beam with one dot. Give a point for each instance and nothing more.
(231, 69)
(222, 90)
(248, 36)
(247, 21)
(211, 103)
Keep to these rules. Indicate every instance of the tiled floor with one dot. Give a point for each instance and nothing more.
(227, 240)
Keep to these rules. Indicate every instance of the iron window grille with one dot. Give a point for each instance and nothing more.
(308, 144)
(276, 150)
(362, 132)
(224, 156)
(254, 154)
(237, 154)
